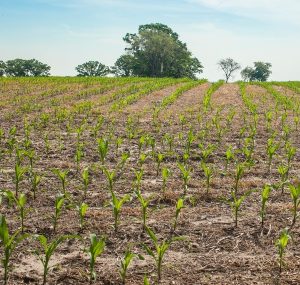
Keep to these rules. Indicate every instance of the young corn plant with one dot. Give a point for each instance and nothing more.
(117, 206)
(239, 172)
(144, 206)
(125, 262)
(160, 250)
(9, 243)
(96, 248)
(208, 175)
(165, 173)
(48, 249)
(295, 194)
(182, 120)
(19, 175)
(229, 156)
(235, 204)
(206, 152)
(159, 159)
(281, 245)
(185, 175)
(62, 176)
(110, 176)
(141, 143)
(119, 142)
(86, 180)
(169, 140)
(59, 202)
(283, 172)
(142, 159)
(35, 182)
(138, 179)
(264, 199)
(271, 150)
(179, 207)
(82, 209)
(102, 149)
(78, 157)
(290, 153)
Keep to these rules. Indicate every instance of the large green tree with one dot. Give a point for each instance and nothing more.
(92, 68)
(156, 51)
(260, 72)
(26, 67)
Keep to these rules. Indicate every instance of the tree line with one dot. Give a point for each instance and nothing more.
(154, 51)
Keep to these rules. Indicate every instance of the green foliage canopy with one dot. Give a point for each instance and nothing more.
(25, 67)
(260, 72)
(156, 51)
(92, 68)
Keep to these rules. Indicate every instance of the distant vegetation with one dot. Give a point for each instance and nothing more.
(155, 51)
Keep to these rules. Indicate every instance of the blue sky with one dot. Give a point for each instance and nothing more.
(65, 33)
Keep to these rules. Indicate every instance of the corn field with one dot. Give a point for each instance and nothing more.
(149, 181)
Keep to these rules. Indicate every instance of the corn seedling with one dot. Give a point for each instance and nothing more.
(142, 159)
(125, 262)
(141, 143)
(82, 209)
(96, 248)
(208, 175)
(264, 198)
(19, 175)
(159, 159)
(117, 205)
(160, 250)
(119, 142)
(229, 155)
(179, 206)
(110, 177)
(138, 178)
(169, 140)
(165, 173)
(48, 248)
(86, 180)
(283, 170)
(144, 205)
(239, 172)
(182, 120)
(271, 149)
(185, 175)
(102, 149)
(290, 153)
(62, 176)
(78, 156)
(206, 152)
(59, 202)
(35, 182)
(295, 194)
(281, 245)
(146, 280)
(235, 204)
(9, 243)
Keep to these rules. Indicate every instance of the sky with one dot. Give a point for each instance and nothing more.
(65, 33)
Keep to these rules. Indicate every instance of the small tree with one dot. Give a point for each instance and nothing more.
(229, 66)
(260, 72)
(92, 68)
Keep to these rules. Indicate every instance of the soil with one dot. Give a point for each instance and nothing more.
(212, 250)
